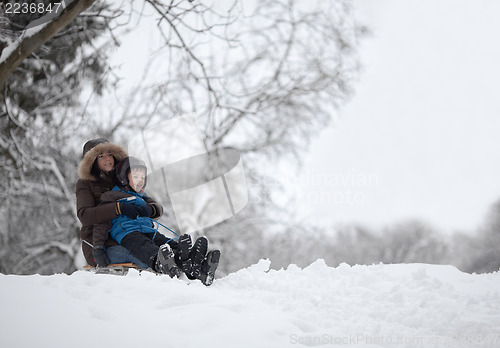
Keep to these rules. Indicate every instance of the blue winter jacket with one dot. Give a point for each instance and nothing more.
(123, 225)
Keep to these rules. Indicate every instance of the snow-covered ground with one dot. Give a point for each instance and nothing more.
(413, 305)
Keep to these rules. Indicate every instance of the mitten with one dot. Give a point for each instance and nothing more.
(129, 210)
(100, 256)
(144, 210)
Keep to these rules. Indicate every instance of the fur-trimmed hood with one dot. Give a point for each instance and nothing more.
(85, 167)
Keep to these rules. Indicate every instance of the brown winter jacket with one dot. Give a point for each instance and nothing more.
(91, 184)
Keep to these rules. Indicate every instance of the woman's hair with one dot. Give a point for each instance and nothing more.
(89, 145)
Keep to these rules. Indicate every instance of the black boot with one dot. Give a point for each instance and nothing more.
(197, 255)
(165, 262)
(182, 254)
(209, 266)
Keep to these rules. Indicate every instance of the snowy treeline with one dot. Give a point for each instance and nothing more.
(405, 242)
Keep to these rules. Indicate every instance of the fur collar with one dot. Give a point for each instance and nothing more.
(85, 167)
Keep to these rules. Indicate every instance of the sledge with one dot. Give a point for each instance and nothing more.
(122, 269)
(114, 268)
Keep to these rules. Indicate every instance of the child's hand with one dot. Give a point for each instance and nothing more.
(145, 210)
(133, 211)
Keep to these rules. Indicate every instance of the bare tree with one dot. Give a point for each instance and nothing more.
(263, 78)
(483, 251)
(412, 241)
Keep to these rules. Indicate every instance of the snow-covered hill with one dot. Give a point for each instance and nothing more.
(414, 305)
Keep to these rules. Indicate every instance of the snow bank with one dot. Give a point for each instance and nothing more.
(412, 305)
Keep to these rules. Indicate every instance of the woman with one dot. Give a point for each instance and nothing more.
(96, 177)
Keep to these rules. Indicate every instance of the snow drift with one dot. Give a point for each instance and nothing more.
(412, 305)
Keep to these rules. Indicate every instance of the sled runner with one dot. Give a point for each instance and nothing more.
(114, 268)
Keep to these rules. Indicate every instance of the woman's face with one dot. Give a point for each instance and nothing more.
(106, 162)
(136, 179)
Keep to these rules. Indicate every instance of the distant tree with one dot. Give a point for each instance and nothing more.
(486, 246)
(464, 248)
(412, 241)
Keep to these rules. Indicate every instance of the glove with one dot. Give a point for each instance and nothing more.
(145, 210)
(100, 256)
(153, 209)
(133, 211)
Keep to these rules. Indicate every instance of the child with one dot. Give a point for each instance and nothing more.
(133, 229)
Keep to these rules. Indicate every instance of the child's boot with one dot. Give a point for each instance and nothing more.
(197, 255)
(182, 255)
(209, 266)
(165, 262)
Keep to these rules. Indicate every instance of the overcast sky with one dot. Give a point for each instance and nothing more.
(420, 136)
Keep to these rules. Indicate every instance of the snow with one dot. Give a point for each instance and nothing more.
(401, 305)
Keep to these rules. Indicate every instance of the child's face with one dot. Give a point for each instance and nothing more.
(137, 178)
